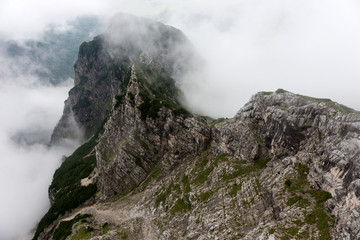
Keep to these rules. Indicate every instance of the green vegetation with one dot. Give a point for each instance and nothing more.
(242, 169)
(131, 99)
(310, 218)
(299, 188)
(105, 228)
(298, 223)
(186, 183)
(65, 227)
(300, 182)
(161, 198)
(288, 182)
(155, 173)
(240, 162)
(149, 107)
(161, 83)
(221, 157)
(340, 107)
(119, 100)
(267, 93)
(203, 175)
(320, 195)
(292, 230)
(157, 90)
(291, 201)
(138, 162)
(75, 167)
(212, 122)
(82, 233)
(234, 189)
(123, 235)
(124, 74)
(69, 194)
(201, 171)
(181, 205)
(280, 90)
(205, 196)
(201, 163)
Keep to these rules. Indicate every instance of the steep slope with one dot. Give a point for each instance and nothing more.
(285, 167)
(104, 66)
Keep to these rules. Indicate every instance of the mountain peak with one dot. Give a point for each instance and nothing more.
(286, 166)
(104, 67)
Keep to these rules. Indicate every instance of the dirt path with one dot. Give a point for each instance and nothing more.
(112, 212)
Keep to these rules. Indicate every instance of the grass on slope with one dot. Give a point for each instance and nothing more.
(69, 193)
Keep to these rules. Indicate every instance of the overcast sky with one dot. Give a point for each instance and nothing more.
(307, 47)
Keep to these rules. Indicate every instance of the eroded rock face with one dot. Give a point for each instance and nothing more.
(104, 67)
(284, 125)
(264, 174)
(286, 166)
(131, 147)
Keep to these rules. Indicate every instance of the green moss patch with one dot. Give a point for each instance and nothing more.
(69, 193)
(65, 227)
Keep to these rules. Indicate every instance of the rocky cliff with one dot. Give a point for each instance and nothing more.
(104, 67)
(285, 167)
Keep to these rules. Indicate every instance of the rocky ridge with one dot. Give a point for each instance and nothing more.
(285, 167)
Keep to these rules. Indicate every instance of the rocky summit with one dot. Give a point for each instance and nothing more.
(285, 167)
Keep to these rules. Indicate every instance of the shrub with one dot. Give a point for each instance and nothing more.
(288, 182)
(65, 227)
(66, 183)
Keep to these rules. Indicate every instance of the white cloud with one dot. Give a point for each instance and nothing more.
(28, 114)
(308, 47)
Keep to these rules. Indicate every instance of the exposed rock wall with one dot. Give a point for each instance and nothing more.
(285, 167)
(310, 130)
(104, 67)
(131, 147)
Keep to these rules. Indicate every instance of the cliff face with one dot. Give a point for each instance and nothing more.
(146, 127)
(293, 130)
(285, 167)
(104, 66)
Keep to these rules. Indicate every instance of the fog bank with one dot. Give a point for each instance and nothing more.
(28, 114)
(307, 47)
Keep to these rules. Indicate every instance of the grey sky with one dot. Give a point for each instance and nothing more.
(307, 47)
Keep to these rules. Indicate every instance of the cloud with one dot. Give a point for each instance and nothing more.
(29, 110)
(27, 163)
(303, 46)
(307, 47)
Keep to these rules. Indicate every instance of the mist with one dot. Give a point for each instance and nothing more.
(28, 114)
(29, 110)
(306, 47)
(246, 46)
(310, 48)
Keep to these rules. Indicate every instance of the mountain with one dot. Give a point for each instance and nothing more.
(285, 167)
(51, 58)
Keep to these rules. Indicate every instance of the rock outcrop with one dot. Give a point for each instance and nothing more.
(285, 167)
(104, 66)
